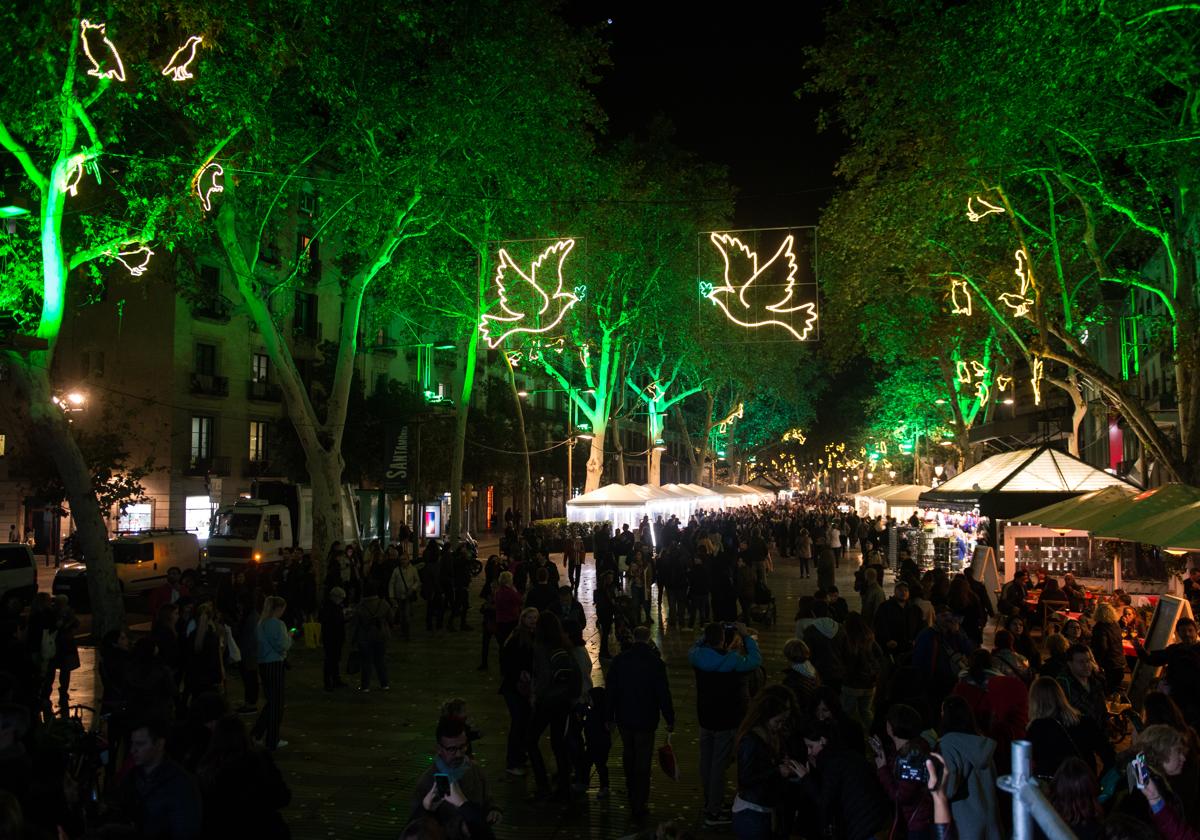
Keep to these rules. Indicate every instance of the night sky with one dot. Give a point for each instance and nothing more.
(726, 77)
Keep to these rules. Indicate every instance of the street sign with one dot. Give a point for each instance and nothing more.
(396, 478)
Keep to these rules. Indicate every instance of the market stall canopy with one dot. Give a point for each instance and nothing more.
(1155, 508)
(1074, 514)
(1176, 529)
(611, 494)
(903, 494)
(877, 491)
(620, 504)
(1009, 485)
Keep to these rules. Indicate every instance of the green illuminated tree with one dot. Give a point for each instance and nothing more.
(1077, 122)
(642, 237)
(67, 122)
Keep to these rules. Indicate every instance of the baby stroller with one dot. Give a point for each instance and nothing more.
(764, 610)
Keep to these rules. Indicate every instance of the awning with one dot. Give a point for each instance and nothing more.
(1074, 513)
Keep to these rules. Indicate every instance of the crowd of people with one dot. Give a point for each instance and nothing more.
(883, 714)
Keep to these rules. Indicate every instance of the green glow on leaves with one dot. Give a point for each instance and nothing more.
(514, 321)
(103, 46)
(177, 68)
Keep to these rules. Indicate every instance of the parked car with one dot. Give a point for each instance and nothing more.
(18, 575)
(141, 560)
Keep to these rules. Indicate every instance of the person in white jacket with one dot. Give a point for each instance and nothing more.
(404, 588)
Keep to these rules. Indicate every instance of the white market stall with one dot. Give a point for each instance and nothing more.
(865, 499)
(615, 503)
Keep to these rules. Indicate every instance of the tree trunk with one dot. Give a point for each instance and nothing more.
(595, 461)
(51, 433)
(462, 407)
(325, 474)
(619, 445)
(519, 409)
(654, 468)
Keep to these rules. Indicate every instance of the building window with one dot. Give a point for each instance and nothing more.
(306, 315)
(91, 364)
(210, 282)
(258, 441)
(260, 367)
(308, 203)
(197, 513)
(306, 246)
(136, 518)
(3, 445)
(202, 439)
(206, 359)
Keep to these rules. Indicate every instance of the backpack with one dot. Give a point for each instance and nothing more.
(566, 683)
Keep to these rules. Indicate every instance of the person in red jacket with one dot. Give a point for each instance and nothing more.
(999, 702)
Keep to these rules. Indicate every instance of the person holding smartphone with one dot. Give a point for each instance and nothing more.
(763, 766)
(454, 790)
(901, 771)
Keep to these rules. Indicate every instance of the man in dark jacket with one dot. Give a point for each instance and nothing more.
(159, 796)
(721, 699)
(1183, 666)
(638, 693)
(852, 803)
(333, 636)
(897, 622)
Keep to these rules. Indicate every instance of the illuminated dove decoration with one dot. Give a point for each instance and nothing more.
(975, 215)
(70, 180)
(741, 303)
(98, 48)
(960, 297)
(177, 67)
(540, 312)
(128, 259)
(207, 184)
(1020, 302)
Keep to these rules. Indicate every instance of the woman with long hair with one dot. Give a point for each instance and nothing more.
(800, 675)
(1075, 795)
(763, 765)
(242, 788)
(556, 688)
(516, 687)
(1058, 731)
(863, 660)
(962, 601)
(274, 642)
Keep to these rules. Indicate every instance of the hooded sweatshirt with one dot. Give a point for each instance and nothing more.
(971, 783)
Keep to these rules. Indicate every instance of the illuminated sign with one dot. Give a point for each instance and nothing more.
(97, 47)
(177, 68)
(528, 308)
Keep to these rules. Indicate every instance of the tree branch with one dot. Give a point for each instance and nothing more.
(23, 157)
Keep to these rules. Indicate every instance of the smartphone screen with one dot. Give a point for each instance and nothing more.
(442, 782)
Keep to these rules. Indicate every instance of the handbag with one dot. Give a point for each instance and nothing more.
(312, 634)
(666, 760)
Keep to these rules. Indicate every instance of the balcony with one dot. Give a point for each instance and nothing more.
(257, 468)
(208, 385)
(263, 391)
(213, 308)
(215, 465)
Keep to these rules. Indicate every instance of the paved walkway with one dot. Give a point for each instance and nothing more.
(353, 758)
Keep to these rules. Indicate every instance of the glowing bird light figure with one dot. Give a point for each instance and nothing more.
(1020, 302)
(211, 171)
(963, 372)
(125, 258)
(177, 68)
(979, 374)
(960, 298)
(740, 260)
(69, 183)
(508, 323)
(117, 71)
(1036, 380)
(975, 215)
(1003, 382)
(736, 414)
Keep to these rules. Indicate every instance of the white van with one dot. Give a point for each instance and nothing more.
(18, 575)
(141, 559)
